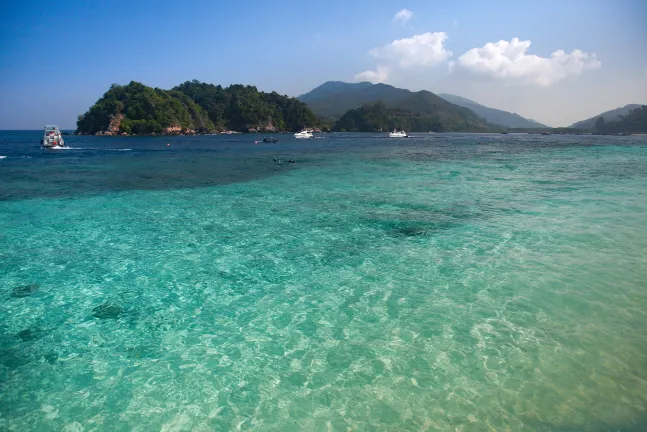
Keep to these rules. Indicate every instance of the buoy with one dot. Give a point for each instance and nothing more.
(168, 145)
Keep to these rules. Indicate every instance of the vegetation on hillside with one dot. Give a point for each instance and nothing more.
(377, 117)
(193, 107)
(242, 108)
(608, 116)
(634, 122)
(139, 109)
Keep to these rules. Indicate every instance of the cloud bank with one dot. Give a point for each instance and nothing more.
(403, 16)
(420, 51)
(509, 61)
(504, 60)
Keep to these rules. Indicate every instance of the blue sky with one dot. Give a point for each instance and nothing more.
(57, 58)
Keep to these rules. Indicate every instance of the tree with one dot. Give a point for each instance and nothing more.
(144, 110)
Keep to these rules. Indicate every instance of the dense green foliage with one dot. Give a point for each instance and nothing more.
(492, 115)
(241, 108)
(144, 110)
(608, 116)
(139, 109)
(376, 117)
(634, 122)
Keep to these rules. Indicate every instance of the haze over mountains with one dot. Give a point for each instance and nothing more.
(333, 98)
(493, 115)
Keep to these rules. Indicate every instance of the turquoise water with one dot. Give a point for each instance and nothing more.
(446, 282)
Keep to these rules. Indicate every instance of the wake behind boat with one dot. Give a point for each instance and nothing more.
(306, 133)
(398, 134)
(52, 138)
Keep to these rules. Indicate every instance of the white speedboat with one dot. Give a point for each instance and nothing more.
(52, 138)
(398, 134)
(304, 134)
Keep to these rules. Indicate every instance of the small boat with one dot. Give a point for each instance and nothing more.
(304, 134)
(270, 140)
(52, 138)
(398, 134)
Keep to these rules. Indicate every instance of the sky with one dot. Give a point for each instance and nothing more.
(556, 62)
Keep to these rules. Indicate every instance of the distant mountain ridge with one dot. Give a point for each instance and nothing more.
(493, 115)
(333, 98)
(608, 116)
(388, 106)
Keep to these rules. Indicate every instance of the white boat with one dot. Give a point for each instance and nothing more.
(398, 134)
(304, 134)
(52, 138)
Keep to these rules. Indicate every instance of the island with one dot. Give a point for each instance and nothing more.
(194, 107)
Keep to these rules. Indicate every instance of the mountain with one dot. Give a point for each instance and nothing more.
(492, 115)
(635, 121)
(608, 116)
(354, 101)
(332, 99)
(192, 107)
(332, 87)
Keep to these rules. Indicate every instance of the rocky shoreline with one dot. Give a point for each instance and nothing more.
(187, 132)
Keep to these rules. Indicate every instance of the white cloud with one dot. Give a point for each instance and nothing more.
(508, 60)
(403, 16)
(379, 75)
(420, 51)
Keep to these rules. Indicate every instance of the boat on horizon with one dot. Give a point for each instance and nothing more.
(52, 138)
(306, 133)
(398, 134)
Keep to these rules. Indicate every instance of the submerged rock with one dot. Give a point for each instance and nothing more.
(27, 334)
(13, 358)
(107, 311)
(24, 290)
(51, 357)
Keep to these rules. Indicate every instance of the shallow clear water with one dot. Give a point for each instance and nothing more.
(445, 282)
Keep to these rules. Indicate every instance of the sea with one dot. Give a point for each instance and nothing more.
(454, 282)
